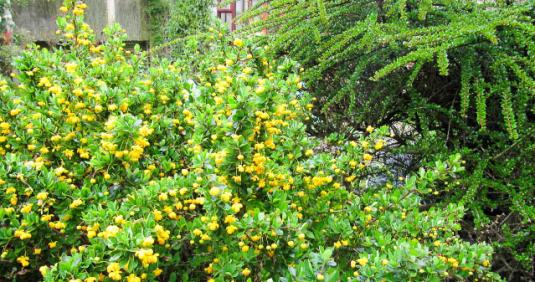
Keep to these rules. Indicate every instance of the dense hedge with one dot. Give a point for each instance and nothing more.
(115, 170)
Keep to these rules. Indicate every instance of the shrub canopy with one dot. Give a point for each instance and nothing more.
(114, 169)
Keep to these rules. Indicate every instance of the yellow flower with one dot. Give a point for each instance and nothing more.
(197, 232)
(111, 231)
(13, 200)
(231, 229)
(79, 12)
(260, 89)
(238, 42)
(213, 226)
(23, 235)
(214, 191)
(78, 92)
(55, 138)
(320, 277)
(145, 131)
(225, 197)
(14, 112)
(52, 244)
(27, 208)
(23, 260)
(229, 219)
(379, 145)
(454, 263)
(353, 264)
(133, 278)
(362, 261)
(43, 270)
(147, 257)
(161, 234)
(116, 276)
(98, 109)
(71, 67)
(113, 267)
(157, 215)
(236, 207)
(148, 242)
(136, 153)
(119, 220)
(76, 203)
(63, 9)
(246, 272)
(157, 272)
(486, 263)
(55, 89)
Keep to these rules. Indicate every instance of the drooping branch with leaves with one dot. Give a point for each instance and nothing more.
(356, 51)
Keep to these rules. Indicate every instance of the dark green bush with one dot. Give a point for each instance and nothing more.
(459, 73)
(172, 20)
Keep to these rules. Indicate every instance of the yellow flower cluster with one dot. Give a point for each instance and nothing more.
(114, 271)
(147, 257)
(161, 234)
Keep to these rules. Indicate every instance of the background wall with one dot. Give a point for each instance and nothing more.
(37, 18)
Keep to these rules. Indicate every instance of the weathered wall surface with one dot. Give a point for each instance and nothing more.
(38, 18)
(131, 14)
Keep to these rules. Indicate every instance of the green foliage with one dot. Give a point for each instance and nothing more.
(172, 20)
(459, 72)
(112, 169)
(365, 39)
(7, 53)
(497, 191)
(187, 17)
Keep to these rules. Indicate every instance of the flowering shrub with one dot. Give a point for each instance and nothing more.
(116, 170)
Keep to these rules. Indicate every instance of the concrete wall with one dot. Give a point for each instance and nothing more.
(37, 18)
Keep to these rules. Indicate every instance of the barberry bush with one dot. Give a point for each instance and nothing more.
(114, 169)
